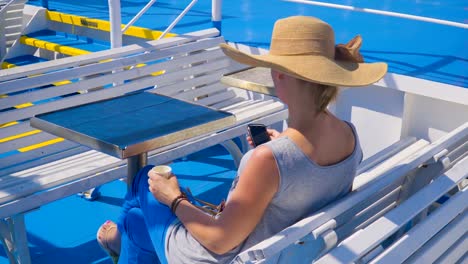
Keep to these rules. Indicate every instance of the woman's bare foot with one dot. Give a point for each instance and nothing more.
(108, 237)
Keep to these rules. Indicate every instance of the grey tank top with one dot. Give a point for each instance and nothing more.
(304, 187)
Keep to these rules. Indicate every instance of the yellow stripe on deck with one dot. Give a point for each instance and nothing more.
(17, 106)
(8, 124)
(40, 145)
(33, 132)
(103, 25)
(52, 46)
(7, 65)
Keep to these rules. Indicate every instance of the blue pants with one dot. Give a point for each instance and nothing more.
(143, 224)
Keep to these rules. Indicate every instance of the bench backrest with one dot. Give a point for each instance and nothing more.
(398, 235)
(390, 185)
(187, 67)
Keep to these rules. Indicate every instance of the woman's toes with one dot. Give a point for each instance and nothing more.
(109, 236)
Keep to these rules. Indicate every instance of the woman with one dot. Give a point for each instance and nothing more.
(310, 164)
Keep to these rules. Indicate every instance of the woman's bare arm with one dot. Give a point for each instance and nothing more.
(256, 187)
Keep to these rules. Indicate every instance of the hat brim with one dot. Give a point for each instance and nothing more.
(314, 68)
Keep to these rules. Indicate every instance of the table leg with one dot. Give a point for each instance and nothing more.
(134, 164)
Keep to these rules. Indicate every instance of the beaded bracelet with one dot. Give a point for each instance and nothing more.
(175, 203)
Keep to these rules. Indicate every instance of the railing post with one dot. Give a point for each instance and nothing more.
(2, 38)
(216, 13)
(115, 19)
(116, 22)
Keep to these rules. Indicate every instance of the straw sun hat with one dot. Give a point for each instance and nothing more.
(304, 47)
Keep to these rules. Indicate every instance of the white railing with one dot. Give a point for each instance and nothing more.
(380, 12)
(142, 11)
(116, 20)
(178, 18)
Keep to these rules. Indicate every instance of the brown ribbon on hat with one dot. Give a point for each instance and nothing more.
(350, 51)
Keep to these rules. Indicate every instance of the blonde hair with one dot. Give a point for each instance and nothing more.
(323, 94)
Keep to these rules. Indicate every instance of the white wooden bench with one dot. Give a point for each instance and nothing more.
(37, 168)
(375, 192)
(401, 237)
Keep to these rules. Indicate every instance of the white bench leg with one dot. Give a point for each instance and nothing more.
(244, 144)
(14, 239)
(234, 150)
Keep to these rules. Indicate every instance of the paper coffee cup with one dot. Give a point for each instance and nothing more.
(163, 170)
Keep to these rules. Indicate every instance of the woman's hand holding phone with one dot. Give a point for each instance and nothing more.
(256, 131)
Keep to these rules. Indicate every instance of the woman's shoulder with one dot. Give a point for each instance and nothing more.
(263, 153)
(342, 143)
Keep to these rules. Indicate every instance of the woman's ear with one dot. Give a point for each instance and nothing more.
(277, 75)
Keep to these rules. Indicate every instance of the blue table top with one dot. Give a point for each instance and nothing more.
(132, 124)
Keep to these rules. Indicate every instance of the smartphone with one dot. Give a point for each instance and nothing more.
(258, 133)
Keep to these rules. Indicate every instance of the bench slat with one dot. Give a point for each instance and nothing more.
(68, 187)
(208, 90)
(176, 88)
(367, 215)
(440, 229)
(49, 66)
(25, 141)
(223, 105)
(256, 105)
(219, 97)
(109, 65)
(386, 153)
(98, 80)
(457, 253)
(444, 240)
(53, 173)
(270, 108)
(15, 129)
(238, 105)
(364, 177)
(15, 162)
(363, 242)
(19, 114)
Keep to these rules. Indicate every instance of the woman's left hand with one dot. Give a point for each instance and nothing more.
(165, 190)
